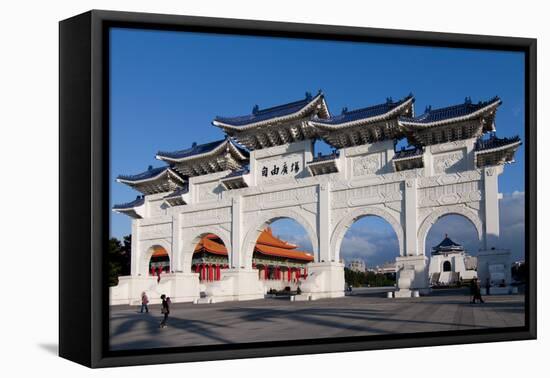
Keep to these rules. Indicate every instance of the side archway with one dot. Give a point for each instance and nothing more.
(434, 216)
(193, 236)
(265, 219)
(345, 223)
(147, 251)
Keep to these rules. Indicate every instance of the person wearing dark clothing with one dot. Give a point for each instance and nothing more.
(165, 310)
(475, 290)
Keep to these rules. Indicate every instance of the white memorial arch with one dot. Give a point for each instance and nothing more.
(266, 169)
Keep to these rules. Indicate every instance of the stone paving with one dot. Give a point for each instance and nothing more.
(366, 312)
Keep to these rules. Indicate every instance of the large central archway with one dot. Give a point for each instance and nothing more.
(369, 249)
(345, 223)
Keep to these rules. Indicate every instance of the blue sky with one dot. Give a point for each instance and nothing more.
(166, 87)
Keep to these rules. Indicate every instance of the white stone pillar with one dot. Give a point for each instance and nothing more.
(175, 259)
(491, 196)
(236, 233)
(323, 228)
(135, 254)
(411, 219)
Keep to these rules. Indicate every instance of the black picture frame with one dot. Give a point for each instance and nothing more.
(84, 208)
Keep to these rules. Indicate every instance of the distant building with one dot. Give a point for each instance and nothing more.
(357, 266)
(386, 268)
(449, 264)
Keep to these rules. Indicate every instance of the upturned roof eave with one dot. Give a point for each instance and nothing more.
(247, 126)
(210, 153)
(167, 171)
(499, 148)
(362, 121)
(466, 117)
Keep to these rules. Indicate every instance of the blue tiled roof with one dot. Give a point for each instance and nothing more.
(151, 172)
(320, 157)
(494, 142)
(363, 113)
(199, 149)
(258, 115)
(434, 115)
(137, 202)
(239, 172)
(447, 245)
(408, 153)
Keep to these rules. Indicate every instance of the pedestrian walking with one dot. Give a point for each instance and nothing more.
(476, 288)
(144, 302)
(472, 290)
(165, 310)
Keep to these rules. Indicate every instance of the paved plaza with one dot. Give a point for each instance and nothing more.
(366, 312)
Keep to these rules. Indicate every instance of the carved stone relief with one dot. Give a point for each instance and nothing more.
(155, 231)
(443, 147)
(367, 165)
(281, 198)
(367, 195)
(449, 194)
(208, 191)
(449, 162)
(210, 216)
(451, 178)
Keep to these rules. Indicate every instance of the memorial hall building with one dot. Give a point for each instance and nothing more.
(202, 215)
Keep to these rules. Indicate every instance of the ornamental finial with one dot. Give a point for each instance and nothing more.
(255, 109)
(428, 109)
(308, 96)
(150, 168)
(344, 110)
(389, 100)
(194, 144)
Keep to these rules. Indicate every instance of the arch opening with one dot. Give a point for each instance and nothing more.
(210, 257)
(452, 243)
(368, 249)
(159, 261)
(281, 254)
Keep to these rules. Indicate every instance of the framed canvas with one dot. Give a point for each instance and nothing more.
(236, 188)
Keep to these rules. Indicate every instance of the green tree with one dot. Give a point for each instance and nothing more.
(126, 255)
(114, 260)
(119, 258)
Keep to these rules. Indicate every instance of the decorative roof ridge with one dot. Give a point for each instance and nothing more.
(190, 149)
(198, 150)
(148, 175)
(247, 121)
(342, 120)
(304, 101)
(388, 102)
(469, 108)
